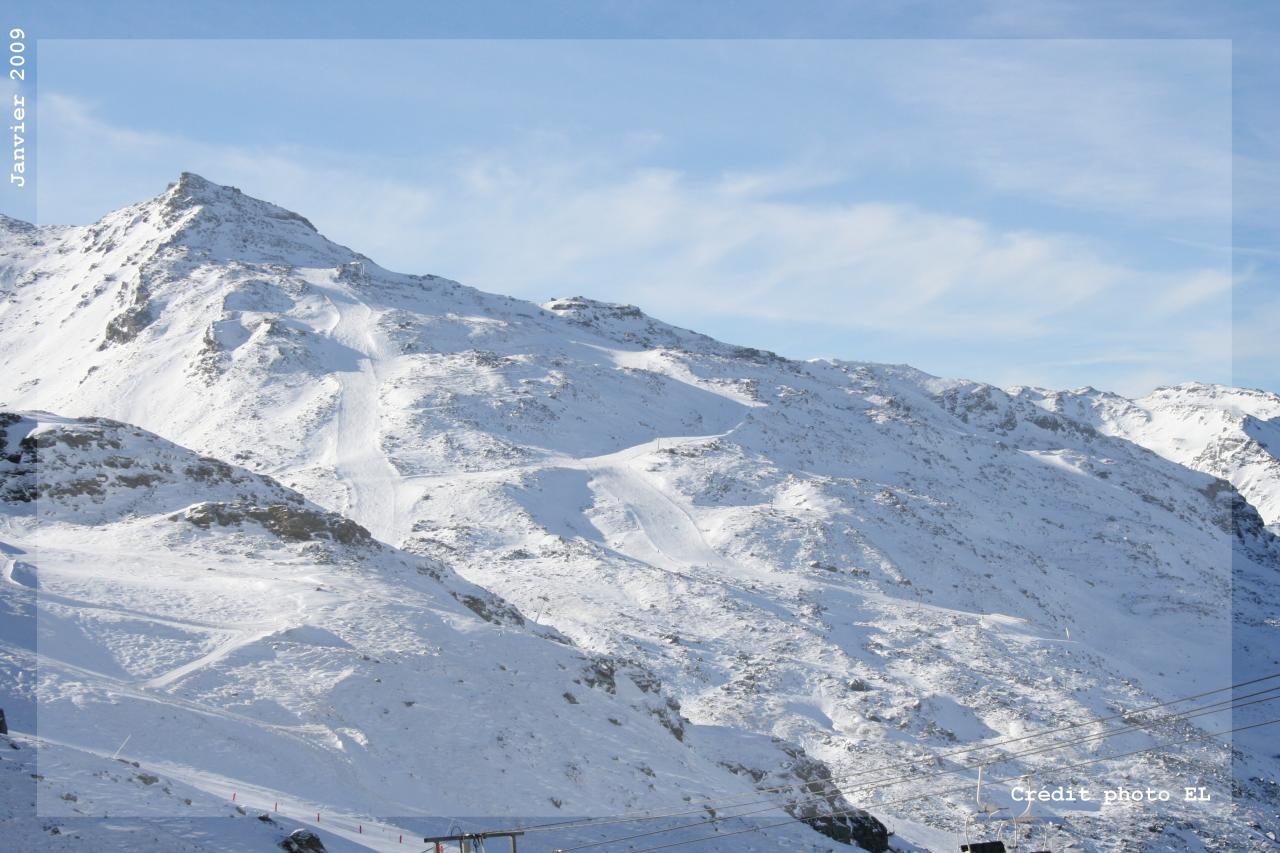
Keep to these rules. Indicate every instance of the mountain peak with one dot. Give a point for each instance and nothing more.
(220, 223)
(191, 181)
(192, 191)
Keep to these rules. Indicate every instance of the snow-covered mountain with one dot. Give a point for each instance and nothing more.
(243, 638)
(1232, 433)
(860, 560)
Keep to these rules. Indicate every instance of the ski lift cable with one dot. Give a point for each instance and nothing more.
(882, 784)
(1157, 748)
(726, 804)
(725, 800)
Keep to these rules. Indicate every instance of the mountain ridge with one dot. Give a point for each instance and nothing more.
(861, 559)
(1233, 433)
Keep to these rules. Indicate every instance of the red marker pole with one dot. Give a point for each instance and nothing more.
(233, 796)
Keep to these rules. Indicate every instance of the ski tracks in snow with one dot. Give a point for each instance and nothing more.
(235, 640)
(666, 534)
(356, 455)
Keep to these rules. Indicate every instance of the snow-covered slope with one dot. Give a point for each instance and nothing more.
(78, 788)
(244, 640)
(861, 559)
(1233, 433)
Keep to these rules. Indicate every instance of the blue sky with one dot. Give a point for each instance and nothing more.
(1044, 211)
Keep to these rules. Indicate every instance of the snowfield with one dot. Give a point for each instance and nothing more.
(398, 551)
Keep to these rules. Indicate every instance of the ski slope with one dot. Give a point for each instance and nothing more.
(357, 457)
(809, 566)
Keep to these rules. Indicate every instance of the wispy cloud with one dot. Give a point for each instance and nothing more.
(545, 219)
(1139, 127)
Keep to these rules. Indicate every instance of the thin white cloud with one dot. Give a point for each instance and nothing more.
(1137, 127)
(544, 220)
(1194, 290)
(671, 242)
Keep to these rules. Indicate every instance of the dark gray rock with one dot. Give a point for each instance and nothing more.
(297, 524)
(303, 841)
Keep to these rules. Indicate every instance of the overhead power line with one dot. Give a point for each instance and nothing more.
(726, 802)
(1216, 707)
(1061, 768)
